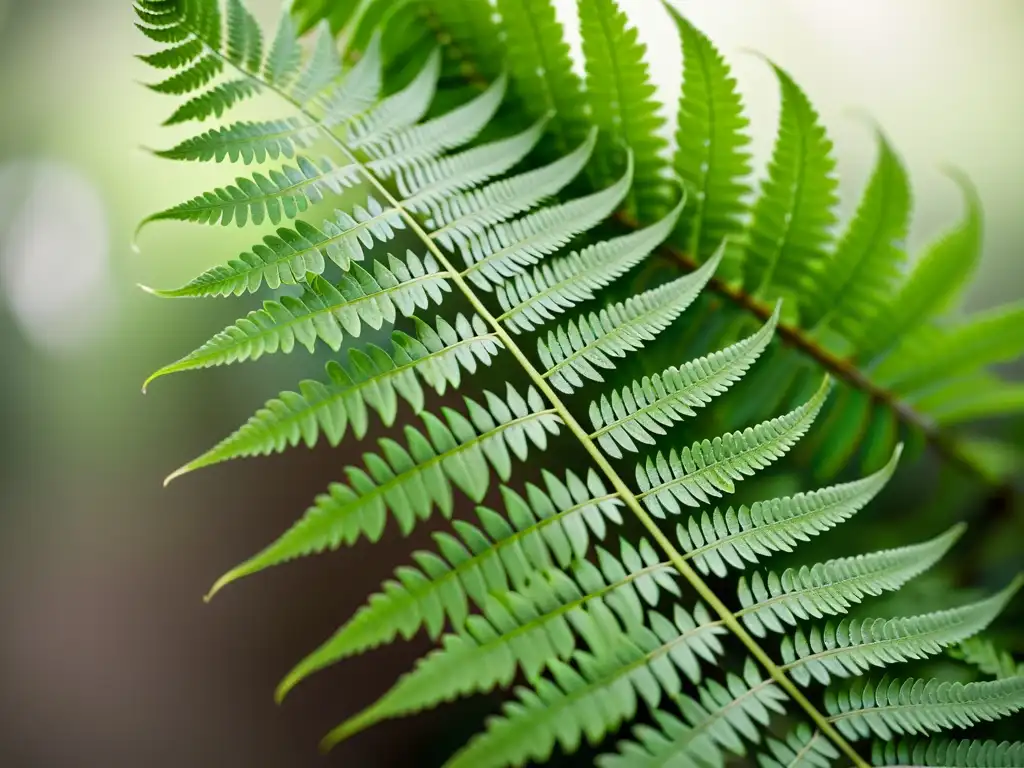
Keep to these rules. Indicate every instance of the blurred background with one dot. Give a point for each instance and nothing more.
(108, 656)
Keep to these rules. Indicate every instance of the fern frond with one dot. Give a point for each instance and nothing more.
(532, 630)
(891, 707)
(623, 107)
(982, 653)
(325, 312)
(711, 156)
(792, 219)
(710, 468)
(639, 412)
(719, 541)
(549, 526)
(832, 587)
(372, 380)
(280, 194)
(541, 67)
(457, 452)
(984, 339)
(288, 257)
(853, 647)
(713, 723)
(935, 280)
(284, 59)
(456, 219)
(531, 299)
(978, 396)
(599, 692)
(440, 184)
(575, 351)
(507, 248)
(950, 753)
(245, 38)
(803, 748)
(860, 276)
(246, 141)
(214, 102)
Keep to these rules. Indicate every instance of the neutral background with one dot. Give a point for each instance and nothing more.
(108, 657)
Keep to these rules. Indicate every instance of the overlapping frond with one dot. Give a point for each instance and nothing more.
(804, 747)
(770, 602)
(950, 753)
(575, 351)
(913, 706)
(718, 540)
(410, 481)
(622, 105)
(712, 724)
(711, 156)
(547, 528)
(712, 467)
(791, 221)
(325, 312)
(853, 647)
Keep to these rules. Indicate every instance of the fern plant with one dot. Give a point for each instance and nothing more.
(606, 587)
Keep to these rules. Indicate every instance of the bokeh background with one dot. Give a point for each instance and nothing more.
(108, 656)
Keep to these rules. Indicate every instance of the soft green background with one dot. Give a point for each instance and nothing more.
(107, 656)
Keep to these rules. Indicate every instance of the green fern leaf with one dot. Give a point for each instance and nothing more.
(803, 748)
(861, 275)
(176, 56)
(711, 158)
(195, 75)
(980, 652)
(325, 312)
(984, 339)
(411, 482)
(623, 107)
(911, 706)
(647, 407)
(792, 219)
(711, 467)
(470, 24)
(549, 289)
(507, 248)
(284, 61)
(541, 68)
(246, 141)
(978, 396)
(456, 219)
(373, 380)
(599, 692)
(934, 282)
(573, 352)
(288, 257)
(283, 193)
(950, 753)
(853, 647)
(533, 630)
(551, 525)
(715, 721)
(245, 39)
(832, 587)
(214, 102)
(719, 541)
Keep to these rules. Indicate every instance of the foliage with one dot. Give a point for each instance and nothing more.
(589, 590)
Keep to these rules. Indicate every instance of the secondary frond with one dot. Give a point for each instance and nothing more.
(373, 380)
(718, 541)
(547, 528)
(325, 312)
(714, 723)
(950, 753)
(853, 647)
(644, 409)
(891, 707)
(712, 467)
(829, 588)
(575, 351)
(711, 156)
(803, 748)
(412, 480)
